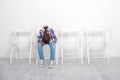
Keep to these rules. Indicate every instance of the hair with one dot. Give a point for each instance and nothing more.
(46, 36)
(45, 27)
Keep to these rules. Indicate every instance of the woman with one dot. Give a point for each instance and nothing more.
(46, 36)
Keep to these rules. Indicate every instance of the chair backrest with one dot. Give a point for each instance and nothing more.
(22, 35)
(70, 35)
(71, 41)
(96, 40)
(36, 33)
(95, 36)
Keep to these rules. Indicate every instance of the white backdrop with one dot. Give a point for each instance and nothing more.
(57, 14)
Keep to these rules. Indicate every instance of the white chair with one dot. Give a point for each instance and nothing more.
(97, 41)
(17, 41)
(71, 40)
(36, 49)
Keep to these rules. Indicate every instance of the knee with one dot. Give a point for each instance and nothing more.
(52, 44)
(39, 45)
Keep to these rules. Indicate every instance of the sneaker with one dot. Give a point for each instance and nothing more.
(51, 64)
(41, 64)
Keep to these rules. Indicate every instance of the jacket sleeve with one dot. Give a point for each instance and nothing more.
(39, 37)
(53, 35)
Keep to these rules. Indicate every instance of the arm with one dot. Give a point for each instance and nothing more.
(39, 37)
(54, 38)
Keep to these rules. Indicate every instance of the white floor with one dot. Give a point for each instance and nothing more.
(70, 70)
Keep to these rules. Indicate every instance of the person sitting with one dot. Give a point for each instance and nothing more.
(46, 36)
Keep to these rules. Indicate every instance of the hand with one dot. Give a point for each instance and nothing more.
(42, 43)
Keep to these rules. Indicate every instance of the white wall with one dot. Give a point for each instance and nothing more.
(59, 13)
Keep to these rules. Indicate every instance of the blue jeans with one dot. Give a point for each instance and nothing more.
(52, 51)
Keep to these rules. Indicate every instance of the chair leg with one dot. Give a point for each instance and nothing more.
(56, 56)
(30, 54)
(61, 56)
(36, 51)
(82, 60)
(11, 55)
(108, 58)
(108, 54)
(88, 58)
(36, 60)
(16, 53)
(56, 61)
(88, 55)
(81, 56)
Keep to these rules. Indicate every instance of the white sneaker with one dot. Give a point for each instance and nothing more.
(51, 64)
(41, 64)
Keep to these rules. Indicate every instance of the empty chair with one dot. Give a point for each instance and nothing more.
(71, 44)
(22, 38)
(97, 41)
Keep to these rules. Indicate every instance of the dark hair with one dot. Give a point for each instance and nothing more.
(45, 27)
(46, 36)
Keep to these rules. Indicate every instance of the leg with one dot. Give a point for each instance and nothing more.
(52, 50)
(40, 51)
(52, 54)
(41, 56)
